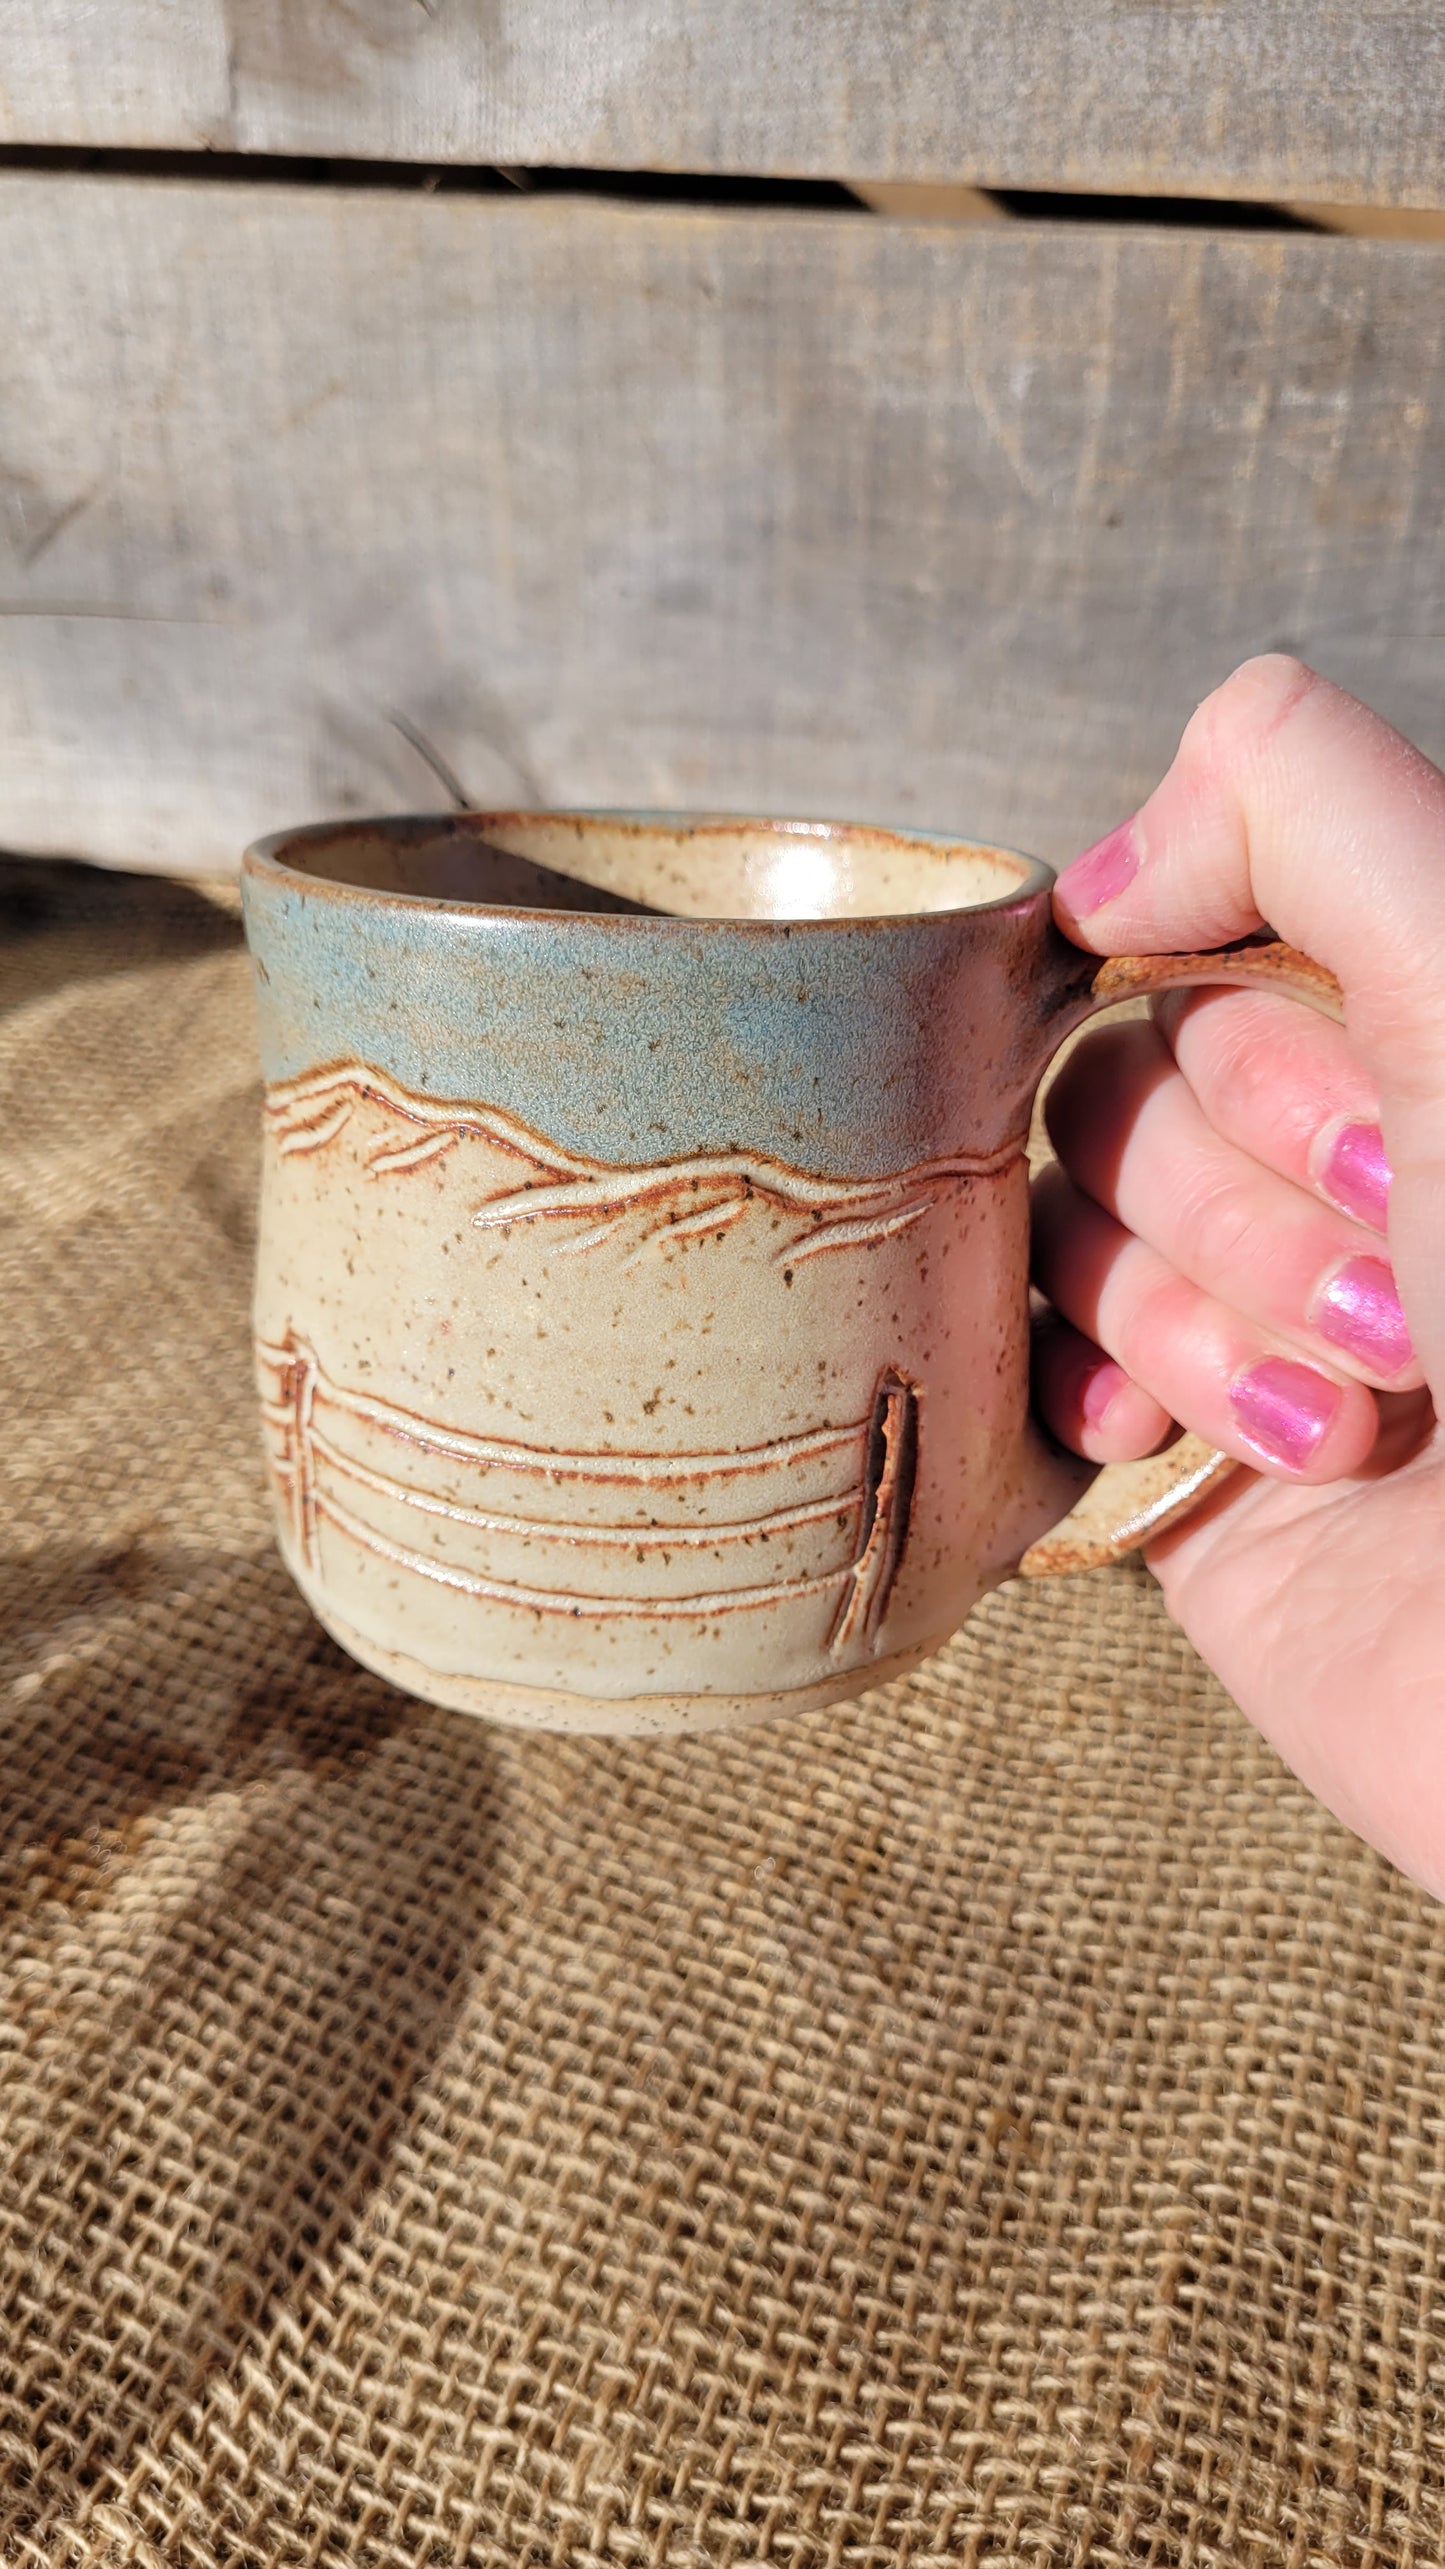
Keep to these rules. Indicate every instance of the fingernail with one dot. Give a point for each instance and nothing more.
(1360, 1311)
(1357, 1174)
(1283, 1408)
(1100, 1391)
(1101, 873)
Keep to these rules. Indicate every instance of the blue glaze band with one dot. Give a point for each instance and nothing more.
(850, 1048)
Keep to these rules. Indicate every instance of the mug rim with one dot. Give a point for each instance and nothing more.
(264, 857)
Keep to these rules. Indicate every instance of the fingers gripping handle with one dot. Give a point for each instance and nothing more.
(1129, 1503)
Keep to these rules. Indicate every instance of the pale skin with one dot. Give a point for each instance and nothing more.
(1246, 1232)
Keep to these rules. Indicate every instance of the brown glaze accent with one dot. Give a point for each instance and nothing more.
(1264, 966)
(298, 1370)
(1130, 1503)
(576, 1604)
(630, 1539)
(866, 1211)
(450, 860)
(892, 1465)
(875, 1506)
(296, 1365)
(1071, 985)
(1127, 1506)
(307, 1113)
(711, 1190)
(462, 858)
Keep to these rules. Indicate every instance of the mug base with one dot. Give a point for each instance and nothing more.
(631, 1717)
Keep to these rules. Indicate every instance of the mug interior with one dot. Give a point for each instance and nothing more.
(669, 865)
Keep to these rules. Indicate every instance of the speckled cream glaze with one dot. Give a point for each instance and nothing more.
(641, 1312)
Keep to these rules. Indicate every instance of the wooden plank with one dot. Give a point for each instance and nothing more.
(134, 71)
(1325, 99)
(947, 524)
(1372, 222)
(913, 200)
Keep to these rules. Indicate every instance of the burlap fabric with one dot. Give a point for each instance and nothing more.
(998, 2122)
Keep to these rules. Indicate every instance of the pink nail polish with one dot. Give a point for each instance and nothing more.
(1283, 1408)
(1102, 872)
(1357, 1174)
(1104, 1384)
(1360, 1311)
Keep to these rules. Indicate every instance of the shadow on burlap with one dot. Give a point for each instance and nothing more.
(997, 2122)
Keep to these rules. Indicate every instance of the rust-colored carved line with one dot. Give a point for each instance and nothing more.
(705, 1224)
(621, 1538)
(860, 1233)
(300, 1378)
(310, 1110)
(558, 1601)
(411, 1155)
(593, 1239)
(891, 1472)
(300, 1137)
(740, 1175)
(296, 1105)
(649, 1469)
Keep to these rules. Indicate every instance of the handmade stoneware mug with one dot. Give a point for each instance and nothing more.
(642, 1314)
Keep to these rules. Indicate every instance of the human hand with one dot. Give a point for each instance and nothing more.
(1226, 1246)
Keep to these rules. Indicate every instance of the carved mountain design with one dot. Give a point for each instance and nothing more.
(695, 1196)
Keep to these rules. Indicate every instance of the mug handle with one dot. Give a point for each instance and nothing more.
(1128, 1503)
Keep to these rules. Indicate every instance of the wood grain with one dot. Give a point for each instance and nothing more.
(1331, 99)
(941, 524)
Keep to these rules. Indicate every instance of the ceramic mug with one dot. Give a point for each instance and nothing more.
(642, 1312)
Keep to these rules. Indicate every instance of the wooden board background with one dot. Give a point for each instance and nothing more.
(808, 511)
(1335, 99)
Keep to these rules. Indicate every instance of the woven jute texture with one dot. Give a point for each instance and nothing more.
(997, 2122)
